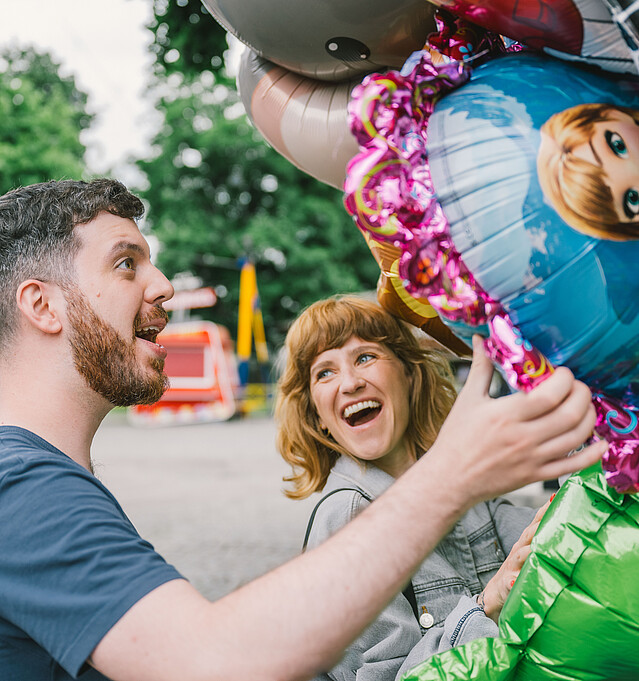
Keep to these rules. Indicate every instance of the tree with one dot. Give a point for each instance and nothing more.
(42, 117)
(218, 193)
(187, 39)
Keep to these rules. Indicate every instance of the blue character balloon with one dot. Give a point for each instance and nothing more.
(547, 227)
(537, 188)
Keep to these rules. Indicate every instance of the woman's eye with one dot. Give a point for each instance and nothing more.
(615, 141)
(322, 374)
(365, 357)
(126, 264)
(631, 203)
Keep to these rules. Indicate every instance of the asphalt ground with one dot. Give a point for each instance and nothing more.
(209, 496)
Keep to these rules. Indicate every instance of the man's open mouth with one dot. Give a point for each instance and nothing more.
(148, 333)
(148, 327)
(362, 412)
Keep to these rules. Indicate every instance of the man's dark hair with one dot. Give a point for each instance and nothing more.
(37, 238)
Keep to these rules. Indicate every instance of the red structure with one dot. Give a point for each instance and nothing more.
(202, 368)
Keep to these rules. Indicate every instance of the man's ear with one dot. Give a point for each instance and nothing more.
(40, 304)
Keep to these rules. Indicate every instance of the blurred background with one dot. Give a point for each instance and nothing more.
(144, 91)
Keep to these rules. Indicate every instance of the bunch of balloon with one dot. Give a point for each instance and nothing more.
(300, 67)
(299, 70)
(514, 204)
(296, 78)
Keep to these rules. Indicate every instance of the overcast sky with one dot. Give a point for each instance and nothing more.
(104, 44)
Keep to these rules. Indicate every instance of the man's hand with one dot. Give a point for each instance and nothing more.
(498, 445)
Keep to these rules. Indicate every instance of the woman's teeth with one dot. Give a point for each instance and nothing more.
(353, 409)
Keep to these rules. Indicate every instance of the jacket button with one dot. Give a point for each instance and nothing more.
(426, 620)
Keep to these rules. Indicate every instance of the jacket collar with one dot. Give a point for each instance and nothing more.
(348, 472)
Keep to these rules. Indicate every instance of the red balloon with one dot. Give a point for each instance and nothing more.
(585, 29)
(537, 23)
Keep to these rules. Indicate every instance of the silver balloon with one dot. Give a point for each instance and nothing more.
(328, 39)
(303, 119)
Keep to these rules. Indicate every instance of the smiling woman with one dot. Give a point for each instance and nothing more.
(359, 402)
(360, 392)
(349, 340)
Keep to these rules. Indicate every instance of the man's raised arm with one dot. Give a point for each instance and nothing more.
(297, 619)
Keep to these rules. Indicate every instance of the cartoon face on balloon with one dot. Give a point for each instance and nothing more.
(588, 168)
(330, 40)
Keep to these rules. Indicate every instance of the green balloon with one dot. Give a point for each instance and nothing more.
(573, 613)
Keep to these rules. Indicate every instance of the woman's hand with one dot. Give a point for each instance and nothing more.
(497, 590)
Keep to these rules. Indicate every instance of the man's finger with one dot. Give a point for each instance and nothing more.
(561, 437)
(481, 370)
(548, 395)
(582, 459)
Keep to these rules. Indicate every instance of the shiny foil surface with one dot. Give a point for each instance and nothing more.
(572, 613)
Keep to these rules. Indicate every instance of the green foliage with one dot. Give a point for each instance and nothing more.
(187, 39)
(42, 116)
(218, 193)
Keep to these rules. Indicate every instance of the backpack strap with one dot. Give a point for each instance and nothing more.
(409, 592)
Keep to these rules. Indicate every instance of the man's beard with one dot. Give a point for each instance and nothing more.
(107, 361)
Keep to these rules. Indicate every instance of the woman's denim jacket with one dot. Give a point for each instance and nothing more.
(445, 584)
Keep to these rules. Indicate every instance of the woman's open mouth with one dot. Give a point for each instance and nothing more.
(361, 412)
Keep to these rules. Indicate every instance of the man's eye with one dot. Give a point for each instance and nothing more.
(631, 203)
(126, 264)
(615, 141)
